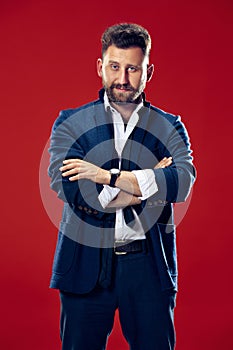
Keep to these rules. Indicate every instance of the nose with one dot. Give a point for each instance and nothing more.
(123, 77)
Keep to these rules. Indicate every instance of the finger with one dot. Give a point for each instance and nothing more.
(67, 161)
(78, 176)
(69, 166)
(162, 160)
(159, 165)
(74, 178)
(70, 172)
(168, 161)
(164, 163)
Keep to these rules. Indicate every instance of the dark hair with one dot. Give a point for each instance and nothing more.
(125, 35)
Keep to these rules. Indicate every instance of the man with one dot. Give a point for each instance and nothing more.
(119, 163)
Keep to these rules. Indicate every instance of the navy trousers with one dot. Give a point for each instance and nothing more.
(146, 312)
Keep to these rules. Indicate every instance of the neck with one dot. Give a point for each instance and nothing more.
(124, 110)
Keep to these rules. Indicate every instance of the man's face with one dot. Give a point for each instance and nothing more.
(124, 73)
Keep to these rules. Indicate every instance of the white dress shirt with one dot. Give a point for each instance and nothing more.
(145, 178)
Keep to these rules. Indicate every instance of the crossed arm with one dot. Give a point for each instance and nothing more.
(77, 169)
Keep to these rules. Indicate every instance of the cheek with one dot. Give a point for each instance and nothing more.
(137, 80)
(108, 77)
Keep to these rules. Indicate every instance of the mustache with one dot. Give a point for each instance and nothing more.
(122, 86)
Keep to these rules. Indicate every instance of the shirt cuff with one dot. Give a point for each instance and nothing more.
(107, 195)
(146, 181)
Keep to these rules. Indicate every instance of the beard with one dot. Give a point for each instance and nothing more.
(131, 96)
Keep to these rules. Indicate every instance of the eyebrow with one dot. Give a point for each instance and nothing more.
(127, 65)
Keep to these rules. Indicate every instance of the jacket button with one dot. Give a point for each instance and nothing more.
(80, 207)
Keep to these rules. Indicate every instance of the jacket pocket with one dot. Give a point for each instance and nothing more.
(64, 254)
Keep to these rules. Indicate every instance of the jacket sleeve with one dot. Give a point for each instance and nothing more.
(64, 144)
(175, 182)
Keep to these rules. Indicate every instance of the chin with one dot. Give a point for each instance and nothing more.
(121, 97)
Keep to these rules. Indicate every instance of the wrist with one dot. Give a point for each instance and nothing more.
(103, 177)
(106, 177)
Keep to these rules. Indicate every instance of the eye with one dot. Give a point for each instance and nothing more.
(132, 69)
(114, 66)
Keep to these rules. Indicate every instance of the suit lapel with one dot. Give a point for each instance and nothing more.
(132, 151)
(105, 136)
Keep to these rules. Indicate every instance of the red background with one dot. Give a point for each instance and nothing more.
(48, 54)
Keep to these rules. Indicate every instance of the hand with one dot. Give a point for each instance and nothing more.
(78, 169)
(124, 199)
(165, 162)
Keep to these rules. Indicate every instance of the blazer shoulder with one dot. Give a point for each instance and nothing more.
(164, 123)
(69, 112)
(160, 113)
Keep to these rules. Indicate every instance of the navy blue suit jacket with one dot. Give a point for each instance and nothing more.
(87, 133)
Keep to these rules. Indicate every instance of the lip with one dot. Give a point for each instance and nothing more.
(122, 90)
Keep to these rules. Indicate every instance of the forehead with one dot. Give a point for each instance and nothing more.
(129, 56)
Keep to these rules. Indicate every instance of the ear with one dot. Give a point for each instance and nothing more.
(99, 67)
(150, 71)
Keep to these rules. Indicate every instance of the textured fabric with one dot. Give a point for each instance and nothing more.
(146, 312)
(86, 226)
(105, 277)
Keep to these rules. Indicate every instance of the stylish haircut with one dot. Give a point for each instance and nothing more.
(125, 35)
